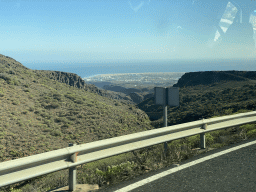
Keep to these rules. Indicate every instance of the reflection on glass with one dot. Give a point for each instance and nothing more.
(234, 37)
(227, 19)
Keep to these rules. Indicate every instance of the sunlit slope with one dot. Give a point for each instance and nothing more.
(219, 96)
(38, 114)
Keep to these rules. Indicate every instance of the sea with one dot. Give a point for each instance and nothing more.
(86, 70)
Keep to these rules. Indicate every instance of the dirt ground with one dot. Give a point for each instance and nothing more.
(79, 188)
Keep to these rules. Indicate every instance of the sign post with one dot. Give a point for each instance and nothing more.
(166, 96)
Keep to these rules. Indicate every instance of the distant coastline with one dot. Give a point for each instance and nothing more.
(90, 70)
(117, 74)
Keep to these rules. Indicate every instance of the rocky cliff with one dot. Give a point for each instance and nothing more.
(74, 80)
(71, 79)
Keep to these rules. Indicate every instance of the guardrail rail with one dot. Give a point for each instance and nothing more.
(21, 169)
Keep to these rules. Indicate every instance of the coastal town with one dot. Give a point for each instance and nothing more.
(135, 79)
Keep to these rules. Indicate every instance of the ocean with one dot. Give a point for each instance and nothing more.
(91, 69)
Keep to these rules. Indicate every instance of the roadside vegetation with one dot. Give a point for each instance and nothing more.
(113, 170)
(39, 115)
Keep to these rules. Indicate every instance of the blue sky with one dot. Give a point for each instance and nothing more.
(99, 31)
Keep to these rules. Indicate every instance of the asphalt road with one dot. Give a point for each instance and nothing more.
(231, 168)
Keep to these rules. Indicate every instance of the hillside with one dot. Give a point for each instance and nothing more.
(44, 110)
(211, 77)
(76, 81)
(201, 98)
(39, 113)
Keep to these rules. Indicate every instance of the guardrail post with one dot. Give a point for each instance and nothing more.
(72, 172)
(202, 141)
(202, 137)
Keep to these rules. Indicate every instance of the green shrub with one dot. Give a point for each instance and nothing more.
(251, 133)
(20, 123)
(115, 171)
(61, 119)
(31, 96)
(16, 190)
(194, 140)
(45, 115)
(242, 111)
(31, 109)
(32, 149)
(57, 96)
(15, 102)
(48, 122)
(56, 133)
(228, 111)
(218, 145)
(52, 106)
(26, 90)
(66, 125)
(71, 96)
(2, 134)
(15, 153)
(79, 101)
(44, 127)
(248, 127)
(24, 112)
(72, 118)
(67, 137)
(209, 139)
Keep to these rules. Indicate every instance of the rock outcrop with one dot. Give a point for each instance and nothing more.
(74, 80)
(71, 79)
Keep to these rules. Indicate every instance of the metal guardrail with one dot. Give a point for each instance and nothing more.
(17, 170)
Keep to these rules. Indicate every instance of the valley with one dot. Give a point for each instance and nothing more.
(134, 87)
(46, 110)
(135, 80)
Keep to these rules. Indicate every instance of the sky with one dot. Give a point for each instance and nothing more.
(104, 31)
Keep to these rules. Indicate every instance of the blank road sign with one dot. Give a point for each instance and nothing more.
(169, 95)
(160, 96)
(173, 96)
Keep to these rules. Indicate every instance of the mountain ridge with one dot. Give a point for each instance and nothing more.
(211, 77)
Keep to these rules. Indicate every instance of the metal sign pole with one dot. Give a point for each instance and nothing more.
(166, 96)
(165, 118)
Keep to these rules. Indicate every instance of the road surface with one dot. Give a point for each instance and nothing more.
(232, 168)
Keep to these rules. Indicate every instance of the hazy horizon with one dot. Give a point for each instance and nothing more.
(91, 69)
(121, 32)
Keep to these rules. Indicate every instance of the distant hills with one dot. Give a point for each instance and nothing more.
(211, 77)
(206, 94)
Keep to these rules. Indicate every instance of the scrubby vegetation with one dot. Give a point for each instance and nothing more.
(110, 171)
(39, 114)
(205, 101)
